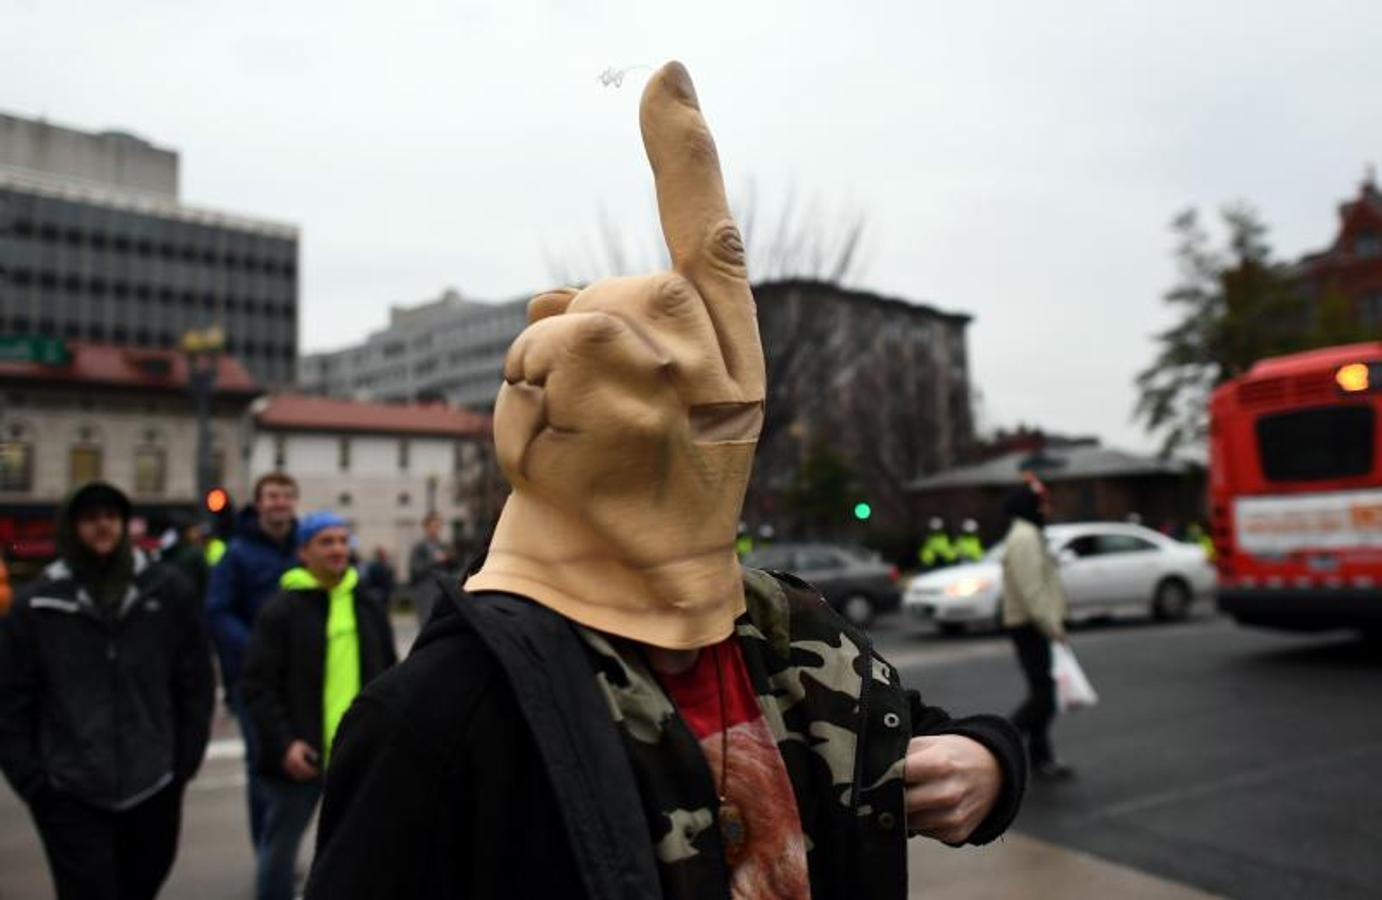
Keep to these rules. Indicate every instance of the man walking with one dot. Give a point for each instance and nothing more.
(314, 646)
(1034, 608)
(613, 706)
(429, 557)
(241, 582)
(105, 703)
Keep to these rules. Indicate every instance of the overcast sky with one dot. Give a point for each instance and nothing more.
(1018, 166)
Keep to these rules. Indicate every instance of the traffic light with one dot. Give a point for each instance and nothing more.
(217, 500)
(862, 511)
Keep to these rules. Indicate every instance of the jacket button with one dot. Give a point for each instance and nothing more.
(892, 720)
(886, 821)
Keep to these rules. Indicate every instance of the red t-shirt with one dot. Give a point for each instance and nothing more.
(773, 861)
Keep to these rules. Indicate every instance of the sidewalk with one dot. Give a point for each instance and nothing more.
(1018, 867)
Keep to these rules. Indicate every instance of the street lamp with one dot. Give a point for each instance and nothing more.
(202, 349)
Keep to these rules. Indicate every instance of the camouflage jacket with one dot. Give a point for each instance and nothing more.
(635, 796)
(841, 721)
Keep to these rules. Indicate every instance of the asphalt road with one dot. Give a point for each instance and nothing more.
(1243, 763)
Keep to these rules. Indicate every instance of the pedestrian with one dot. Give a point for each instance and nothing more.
(187, 553)
(314, 646)
(613, 706)
(244, 579)
(968, 547)
(431, 557)
(1034, 607)
(379, 576)
(936, 551)
(106, 696)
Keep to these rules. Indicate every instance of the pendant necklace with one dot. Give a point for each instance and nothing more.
(734, 831)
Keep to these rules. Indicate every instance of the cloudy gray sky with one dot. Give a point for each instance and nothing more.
(1016, 161)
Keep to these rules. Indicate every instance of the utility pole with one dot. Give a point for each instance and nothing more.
(202, 349)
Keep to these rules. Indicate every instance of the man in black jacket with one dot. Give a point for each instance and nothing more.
(314, 645)
(613, 708)
(105, 703)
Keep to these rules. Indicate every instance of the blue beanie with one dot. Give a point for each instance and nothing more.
(317, 522)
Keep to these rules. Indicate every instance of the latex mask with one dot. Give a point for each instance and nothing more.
(629, 415)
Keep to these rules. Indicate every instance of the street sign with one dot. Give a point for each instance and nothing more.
(45, 351)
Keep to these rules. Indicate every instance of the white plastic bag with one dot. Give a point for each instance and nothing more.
(1073, 690)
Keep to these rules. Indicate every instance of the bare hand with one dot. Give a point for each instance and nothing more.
(300, 761)
(952, 784)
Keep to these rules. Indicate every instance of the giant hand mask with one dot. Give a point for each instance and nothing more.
(629, 415)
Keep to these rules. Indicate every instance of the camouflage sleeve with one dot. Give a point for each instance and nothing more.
(1001, 739)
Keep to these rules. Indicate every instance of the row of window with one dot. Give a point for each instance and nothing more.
(343, 454)
(122, 334)
(163, 295)
(86, 462)
(147, 248)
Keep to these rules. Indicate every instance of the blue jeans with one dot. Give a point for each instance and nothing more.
(290, 808)
(254, 786)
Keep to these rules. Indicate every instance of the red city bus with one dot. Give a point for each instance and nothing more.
(1295, 490)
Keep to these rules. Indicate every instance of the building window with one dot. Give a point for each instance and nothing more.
(16, 460)
(405, 452)
(150, 470)
(1368, 245)
(343, 454)
(405, 498)
(280, 452)
(83, 464)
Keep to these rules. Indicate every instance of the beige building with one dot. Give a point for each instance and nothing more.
(73, 412)
(383, 467)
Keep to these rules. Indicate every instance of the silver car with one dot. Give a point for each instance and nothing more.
(855, 581)
(1106, 568)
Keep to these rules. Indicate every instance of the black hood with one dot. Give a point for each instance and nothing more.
(106, 578)
(1024, 503)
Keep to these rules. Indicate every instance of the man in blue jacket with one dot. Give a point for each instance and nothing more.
(246, 578)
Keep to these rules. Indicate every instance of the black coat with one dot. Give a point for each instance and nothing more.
(106, 710)
(285, 667)
(487, 765)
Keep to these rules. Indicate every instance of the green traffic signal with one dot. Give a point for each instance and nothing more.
(862, 511)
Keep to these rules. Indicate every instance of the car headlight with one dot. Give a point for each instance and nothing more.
(967, 587)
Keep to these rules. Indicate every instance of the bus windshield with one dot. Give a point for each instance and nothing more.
(1317, 444)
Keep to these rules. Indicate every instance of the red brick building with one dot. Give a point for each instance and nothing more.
(1345, 280)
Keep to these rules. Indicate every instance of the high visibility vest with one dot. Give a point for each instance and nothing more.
(969, 547)
(743, 546)
(937, 551)
(215, 549)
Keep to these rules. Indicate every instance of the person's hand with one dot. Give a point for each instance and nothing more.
(300, 761)
(952, 784)
(647, 392)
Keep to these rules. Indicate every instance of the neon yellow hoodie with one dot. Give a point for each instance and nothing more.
(341, 674)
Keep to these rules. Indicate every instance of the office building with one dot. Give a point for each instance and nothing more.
(97, 246)
(450, 349)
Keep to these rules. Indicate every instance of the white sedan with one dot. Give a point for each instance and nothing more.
(1106, 568)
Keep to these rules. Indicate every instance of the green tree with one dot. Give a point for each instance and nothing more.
(1237, 305)
(820, 498)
